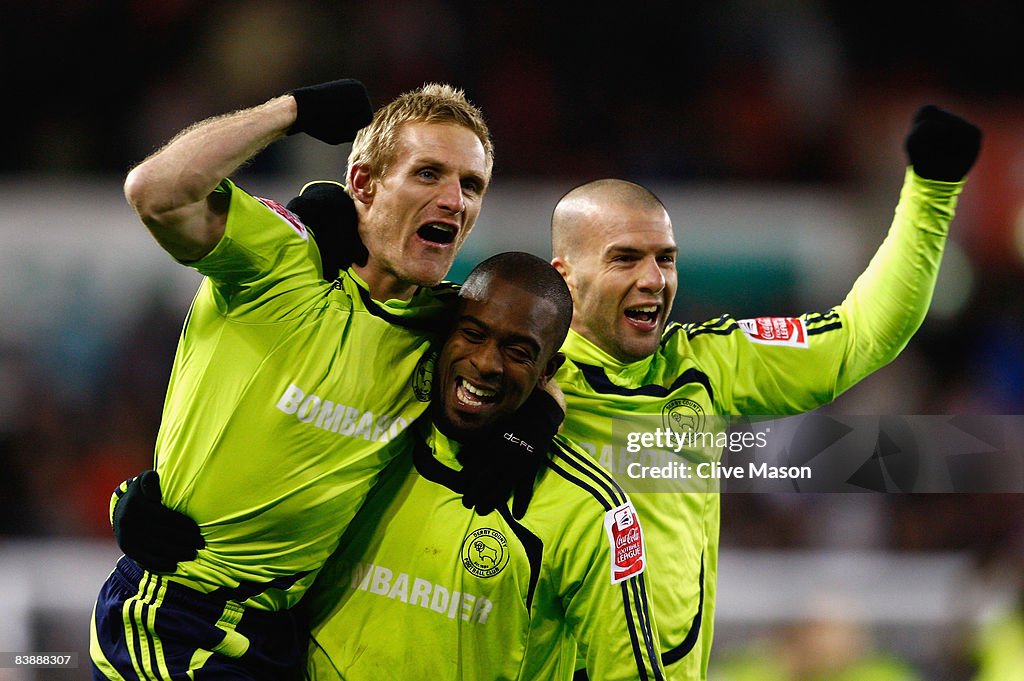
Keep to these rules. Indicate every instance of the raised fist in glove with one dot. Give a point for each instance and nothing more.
(330, 214)
(505, 458)
(941, 145)
(154, 536)
(332, 112)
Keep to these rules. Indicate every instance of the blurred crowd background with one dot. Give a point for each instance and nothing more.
(737, 98)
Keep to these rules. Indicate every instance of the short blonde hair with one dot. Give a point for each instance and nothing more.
(374, 145)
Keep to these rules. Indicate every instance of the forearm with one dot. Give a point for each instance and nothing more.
(171, 190)
(890, 299)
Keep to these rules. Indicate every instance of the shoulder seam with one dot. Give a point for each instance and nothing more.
(720, 326)
(598, 380)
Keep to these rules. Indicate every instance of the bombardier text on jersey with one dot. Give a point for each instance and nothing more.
(382, 581)
(339, 418)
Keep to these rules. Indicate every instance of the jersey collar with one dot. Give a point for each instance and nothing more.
(579, 349)
(429, 310)
(434, 457)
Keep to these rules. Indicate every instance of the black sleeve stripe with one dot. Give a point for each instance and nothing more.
(641, 669)
(825, 321)
(672, 330)
(590, 477)
(534, 547)
(599, 382)
(716, 331)
(595, 470)
(717, 321)
(636, 585)
(815, 317)
(562, 473)
(824, 329)
(642, 661)
(829, 321)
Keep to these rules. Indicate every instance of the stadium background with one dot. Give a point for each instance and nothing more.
(773, 130)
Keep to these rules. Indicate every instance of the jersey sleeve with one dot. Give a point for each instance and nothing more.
(265, 253)
(608, 611)
(889, 301)
(786, 365)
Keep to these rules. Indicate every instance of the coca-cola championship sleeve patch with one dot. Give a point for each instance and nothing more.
(776, 331)
(626, 542)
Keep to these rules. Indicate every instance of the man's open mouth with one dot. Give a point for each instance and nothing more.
(644, 314)
(436, 232)
(473, 395)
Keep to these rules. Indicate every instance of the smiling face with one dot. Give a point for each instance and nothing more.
(415, 217)
(504, 344)
(620, 265)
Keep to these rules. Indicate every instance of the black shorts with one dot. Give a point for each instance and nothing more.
(148, 628)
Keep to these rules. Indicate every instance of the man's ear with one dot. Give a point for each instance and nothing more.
(552, 366)
(563, 267)
(548, 384)
(560, 264)
(361, 183)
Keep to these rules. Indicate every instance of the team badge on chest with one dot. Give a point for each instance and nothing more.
(682, 416)
(485, 552)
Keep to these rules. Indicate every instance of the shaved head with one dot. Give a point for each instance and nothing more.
(612, 242)
(576, 208)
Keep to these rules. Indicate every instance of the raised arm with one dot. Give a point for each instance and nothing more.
(793, 365)
(890, 299)
(173, 190)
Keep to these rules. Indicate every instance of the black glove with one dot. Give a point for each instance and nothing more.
(332, 112)
(942, 146)
(148, 532)
(507, 456)
(329, 212)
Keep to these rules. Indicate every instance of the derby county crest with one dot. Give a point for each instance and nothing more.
(485, 552)
(423, 377)
(683, 416)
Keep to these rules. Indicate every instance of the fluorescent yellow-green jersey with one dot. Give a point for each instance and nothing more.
(424, 588)
(288, 395)
(766, 366)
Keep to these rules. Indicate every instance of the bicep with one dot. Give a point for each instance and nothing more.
(190, 232)
(187, 230)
